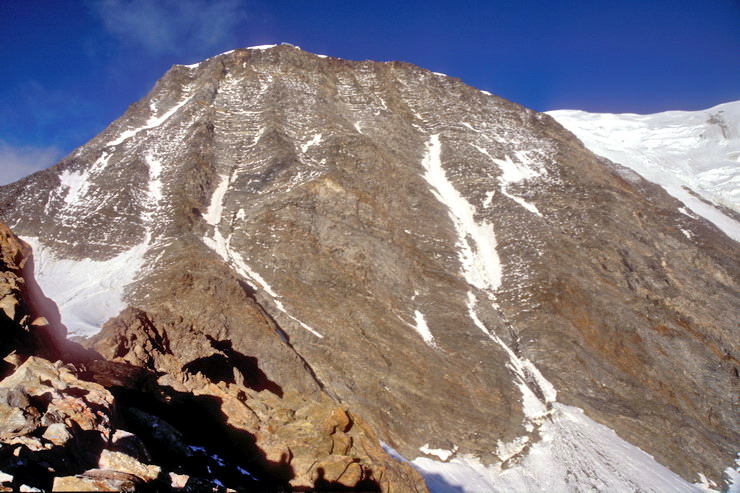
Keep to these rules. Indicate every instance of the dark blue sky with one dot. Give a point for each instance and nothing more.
(69, 67)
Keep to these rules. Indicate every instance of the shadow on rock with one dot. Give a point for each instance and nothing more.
(189, 435)
(366, 483)
(227, 363)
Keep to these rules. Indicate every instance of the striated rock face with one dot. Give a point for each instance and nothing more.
(322, 234)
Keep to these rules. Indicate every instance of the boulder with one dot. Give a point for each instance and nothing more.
(98, 480)
(117, 461)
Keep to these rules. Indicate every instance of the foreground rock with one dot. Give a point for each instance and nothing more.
(278, 433)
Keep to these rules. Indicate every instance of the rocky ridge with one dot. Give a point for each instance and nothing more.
(460, 270)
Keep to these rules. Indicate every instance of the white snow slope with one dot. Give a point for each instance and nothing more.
(699, 150)
(87, 292)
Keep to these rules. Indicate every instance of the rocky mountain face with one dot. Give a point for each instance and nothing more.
(316, 239)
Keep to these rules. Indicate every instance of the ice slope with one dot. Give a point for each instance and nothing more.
(678, 150)
(574, 454)
(87, 292)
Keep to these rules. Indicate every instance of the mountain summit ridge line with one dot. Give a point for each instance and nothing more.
(337, 221)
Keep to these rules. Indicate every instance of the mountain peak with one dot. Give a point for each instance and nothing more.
(457, 269)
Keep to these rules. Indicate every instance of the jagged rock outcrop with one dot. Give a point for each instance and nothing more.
(24, 329)
(301, 438)
(459, 270)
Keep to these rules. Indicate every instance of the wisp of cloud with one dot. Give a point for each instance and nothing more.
(17, 162)
(171, 26)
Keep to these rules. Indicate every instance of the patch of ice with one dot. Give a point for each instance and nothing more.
(154, 121)
(258, 47)
(575, 454)
(476, 240)
(216, 207)
(315, 140)
(443, 454)
(440, 74)
(87, 292)
(512, 172)
(422, 328)
(487, 93)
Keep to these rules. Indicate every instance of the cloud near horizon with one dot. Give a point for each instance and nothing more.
(17, 162)
(171, 26)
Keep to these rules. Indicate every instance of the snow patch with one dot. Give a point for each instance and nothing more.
(154, 190)
(476, 240)
(489, 198)
(73, 181)
(443, 454)
(315, 140)
(422, 328)
(88, 292)
(575, 454)
(74, 185)
(512, 172)
(258, 47)
(733, 475)
(216, 207)
(152, 122)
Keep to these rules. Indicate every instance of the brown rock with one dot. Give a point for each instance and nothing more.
(342, 443)
(178, 480)
(339, 420)
(117, 461)
(97, 480)
(17, 416)
(57, 433)
(131, 445)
